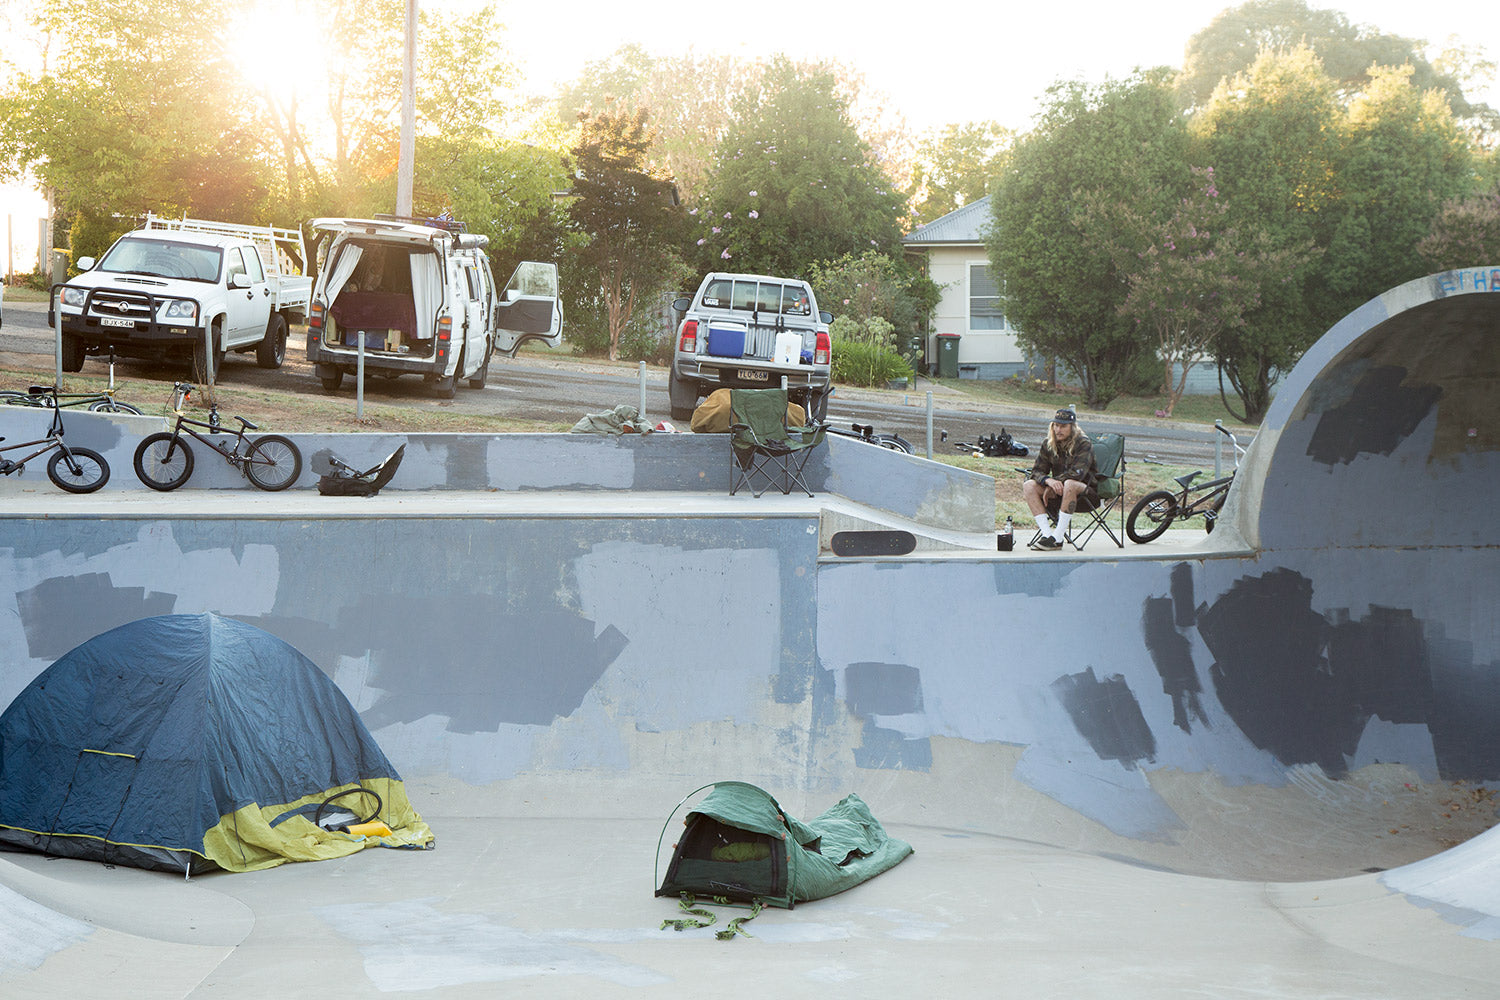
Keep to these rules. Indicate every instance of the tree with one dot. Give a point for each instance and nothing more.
(1403, 156)
(688, 98)
(629, 217)
(1195, 280)
(1465, 233)
(1238, 36)
(793, 182)
(1274, 136)
(118, 122)
(955, 166)
(1120, 142)
(874, 286)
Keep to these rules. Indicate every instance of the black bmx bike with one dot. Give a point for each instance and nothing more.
(163, 460)
(866, 433)
(77, 470)
(1155, 512)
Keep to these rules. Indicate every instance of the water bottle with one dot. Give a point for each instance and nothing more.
(213, 418)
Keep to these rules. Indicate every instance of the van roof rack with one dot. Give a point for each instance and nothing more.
(451, 225)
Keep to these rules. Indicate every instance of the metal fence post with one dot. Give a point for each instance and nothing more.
(642, 408)
(359, 379)
(1218, 450)
(929, 423)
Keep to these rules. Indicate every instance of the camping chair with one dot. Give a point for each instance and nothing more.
(763, 447)
(1109, 458)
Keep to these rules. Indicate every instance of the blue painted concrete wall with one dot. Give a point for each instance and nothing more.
(528, 662)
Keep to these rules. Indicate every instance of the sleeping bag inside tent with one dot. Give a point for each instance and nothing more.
(739, 844)
(190, 743)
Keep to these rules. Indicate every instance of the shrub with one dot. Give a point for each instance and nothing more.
(858, 362)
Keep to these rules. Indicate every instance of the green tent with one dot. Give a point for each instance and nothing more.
(739, 844)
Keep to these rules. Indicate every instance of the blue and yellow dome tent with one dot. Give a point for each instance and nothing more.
(192, 743)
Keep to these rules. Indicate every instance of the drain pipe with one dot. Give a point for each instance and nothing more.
(929, 423)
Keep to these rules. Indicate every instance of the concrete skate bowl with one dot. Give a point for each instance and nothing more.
(1303, 715)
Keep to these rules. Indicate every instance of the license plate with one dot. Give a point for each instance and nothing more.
(752, 375)
(108, 321)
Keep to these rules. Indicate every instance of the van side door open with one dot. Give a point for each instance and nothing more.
(529, 308)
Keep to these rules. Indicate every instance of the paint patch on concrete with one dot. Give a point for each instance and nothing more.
(875, 691)
(1379, 414)
(1173, 656)
(62, 612)
(411, 945)
(1106, 714)
(1384, 742)
(532, 464)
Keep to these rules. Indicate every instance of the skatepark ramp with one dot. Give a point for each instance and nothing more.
(1265, 766)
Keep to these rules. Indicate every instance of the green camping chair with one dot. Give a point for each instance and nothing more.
(763, 447)
(1109, 456)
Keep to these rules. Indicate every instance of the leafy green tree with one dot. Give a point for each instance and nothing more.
(629, 217)
(1195, 280)
(793, 182)
(688, 98)
(1119, 142)
(955, 166)
(1465, 233)
(118, 121)
(1275, 135)
(873, 286)
(1403, 157)
(1235, 38)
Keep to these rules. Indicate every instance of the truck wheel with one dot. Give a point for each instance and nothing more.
(446, 386)
(271, 351)
(72, 353)
(684, 396)
(332, 382)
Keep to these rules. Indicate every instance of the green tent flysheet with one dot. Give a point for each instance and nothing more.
(740, 845)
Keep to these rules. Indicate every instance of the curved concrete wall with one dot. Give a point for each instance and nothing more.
(1216, 713)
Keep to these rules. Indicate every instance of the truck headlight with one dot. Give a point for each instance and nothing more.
(74, 296)
(180, 309)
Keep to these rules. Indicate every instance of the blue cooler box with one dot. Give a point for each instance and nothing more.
(726, 341)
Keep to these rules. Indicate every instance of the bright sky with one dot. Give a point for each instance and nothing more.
(958, 60)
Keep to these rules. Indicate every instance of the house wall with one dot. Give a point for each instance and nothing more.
(990, 353)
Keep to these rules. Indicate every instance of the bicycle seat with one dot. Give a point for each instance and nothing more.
(1187, 480)
(37, 390)
(247, 424)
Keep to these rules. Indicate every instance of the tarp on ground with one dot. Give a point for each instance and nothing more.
(738, 843)
(189, 743)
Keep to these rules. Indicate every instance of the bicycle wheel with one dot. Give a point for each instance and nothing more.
(273, 463)
(77, 470)
(162, 461)
(11, 397)
(894, 442)
(114, 406)
(1158, 509)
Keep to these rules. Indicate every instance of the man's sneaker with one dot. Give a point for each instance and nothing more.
(1048, 542)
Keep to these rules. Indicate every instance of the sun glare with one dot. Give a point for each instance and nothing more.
(269, 45)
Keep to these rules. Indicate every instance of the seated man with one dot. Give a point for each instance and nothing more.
(1065, 473)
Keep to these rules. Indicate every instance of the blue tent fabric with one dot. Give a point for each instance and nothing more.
(136, 745)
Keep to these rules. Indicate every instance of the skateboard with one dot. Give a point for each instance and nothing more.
(873, 543)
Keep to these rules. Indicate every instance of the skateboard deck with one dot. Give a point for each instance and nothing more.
(873, 543)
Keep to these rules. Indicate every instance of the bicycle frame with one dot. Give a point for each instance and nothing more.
(230, 455)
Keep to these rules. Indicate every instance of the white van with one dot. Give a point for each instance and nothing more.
(421, 296)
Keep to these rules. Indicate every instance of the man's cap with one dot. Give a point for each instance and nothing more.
(1064, 417)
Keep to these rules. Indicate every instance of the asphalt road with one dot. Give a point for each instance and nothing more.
(537, 387)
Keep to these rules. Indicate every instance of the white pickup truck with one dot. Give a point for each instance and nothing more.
(185, 286)
(751, 331)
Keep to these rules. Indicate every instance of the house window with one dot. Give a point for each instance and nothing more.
(985, 312)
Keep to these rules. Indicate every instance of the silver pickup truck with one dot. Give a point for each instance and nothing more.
(751, 331)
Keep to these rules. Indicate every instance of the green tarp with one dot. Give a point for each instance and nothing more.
(740, 845)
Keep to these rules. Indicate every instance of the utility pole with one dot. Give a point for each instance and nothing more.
(408, 114)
